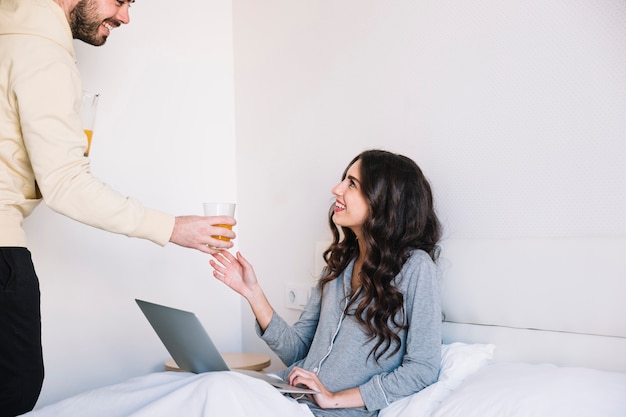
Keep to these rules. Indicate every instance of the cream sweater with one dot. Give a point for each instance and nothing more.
(41, 138)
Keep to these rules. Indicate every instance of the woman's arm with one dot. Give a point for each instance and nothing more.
(349, 398)
(239, 275)
(290, 343)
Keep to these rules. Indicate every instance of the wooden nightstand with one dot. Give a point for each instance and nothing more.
(234, 360)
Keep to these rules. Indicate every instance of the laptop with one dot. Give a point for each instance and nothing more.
(191, 347)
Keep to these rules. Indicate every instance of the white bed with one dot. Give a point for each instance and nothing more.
(533, 327)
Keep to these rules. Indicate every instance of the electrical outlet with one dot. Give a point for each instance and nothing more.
(297, 295)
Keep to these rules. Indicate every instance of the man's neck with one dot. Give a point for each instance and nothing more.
(67, 6)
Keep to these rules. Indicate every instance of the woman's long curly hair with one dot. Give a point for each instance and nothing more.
(401, 218)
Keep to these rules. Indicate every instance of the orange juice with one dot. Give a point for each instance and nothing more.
(225, 226)
(89, 134)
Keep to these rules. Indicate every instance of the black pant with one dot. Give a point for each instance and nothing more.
(21, 359)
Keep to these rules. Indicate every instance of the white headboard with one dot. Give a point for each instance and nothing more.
(557, 300)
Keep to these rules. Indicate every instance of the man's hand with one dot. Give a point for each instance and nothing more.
(197, 232)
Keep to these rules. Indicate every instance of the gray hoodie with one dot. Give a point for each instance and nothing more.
(334, 345)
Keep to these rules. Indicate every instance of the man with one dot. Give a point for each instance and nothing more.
(41, 157)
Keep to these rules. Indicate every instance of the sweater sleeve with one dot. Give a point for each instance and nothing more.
(49, 94)
(421, 360)
(292, 343)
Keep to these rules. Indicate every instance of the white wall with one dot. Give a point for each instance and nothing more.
(514, 109)
(164, 133)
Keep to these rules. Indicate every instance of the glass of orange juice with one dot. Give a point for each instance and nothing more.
(220, 209)
(88, 107)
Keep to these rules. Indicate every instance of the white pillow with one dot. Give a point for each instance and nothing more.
(458, 361)
(527, 390)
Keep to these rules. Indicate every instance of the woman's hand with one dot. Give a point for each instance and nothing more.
(237, 272)
(239, 275)
(325, 399)
(302, 377)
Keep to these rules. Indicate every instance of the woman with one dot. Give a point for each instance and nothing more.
(371, 331)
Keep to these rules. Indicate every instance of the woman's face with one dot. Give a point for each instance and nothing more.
(351, 208)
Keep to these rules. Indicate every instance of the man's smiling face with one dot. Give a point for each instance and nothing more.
(92, 21)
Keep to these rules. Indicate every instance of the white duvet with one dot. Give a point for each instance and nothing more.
(235, 395)
(179, 394)
(468, 386)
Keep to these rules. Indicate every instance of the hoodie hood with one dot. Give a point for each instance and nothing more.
(42, 18)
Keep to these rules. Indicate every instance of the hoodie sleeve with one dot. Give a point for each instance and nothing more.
(48, 93)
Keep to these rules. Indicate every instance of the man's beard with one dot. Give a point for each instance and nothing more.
(85, 23)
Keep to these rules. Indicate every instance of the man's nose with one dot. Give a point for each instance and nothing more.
(123, 14)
